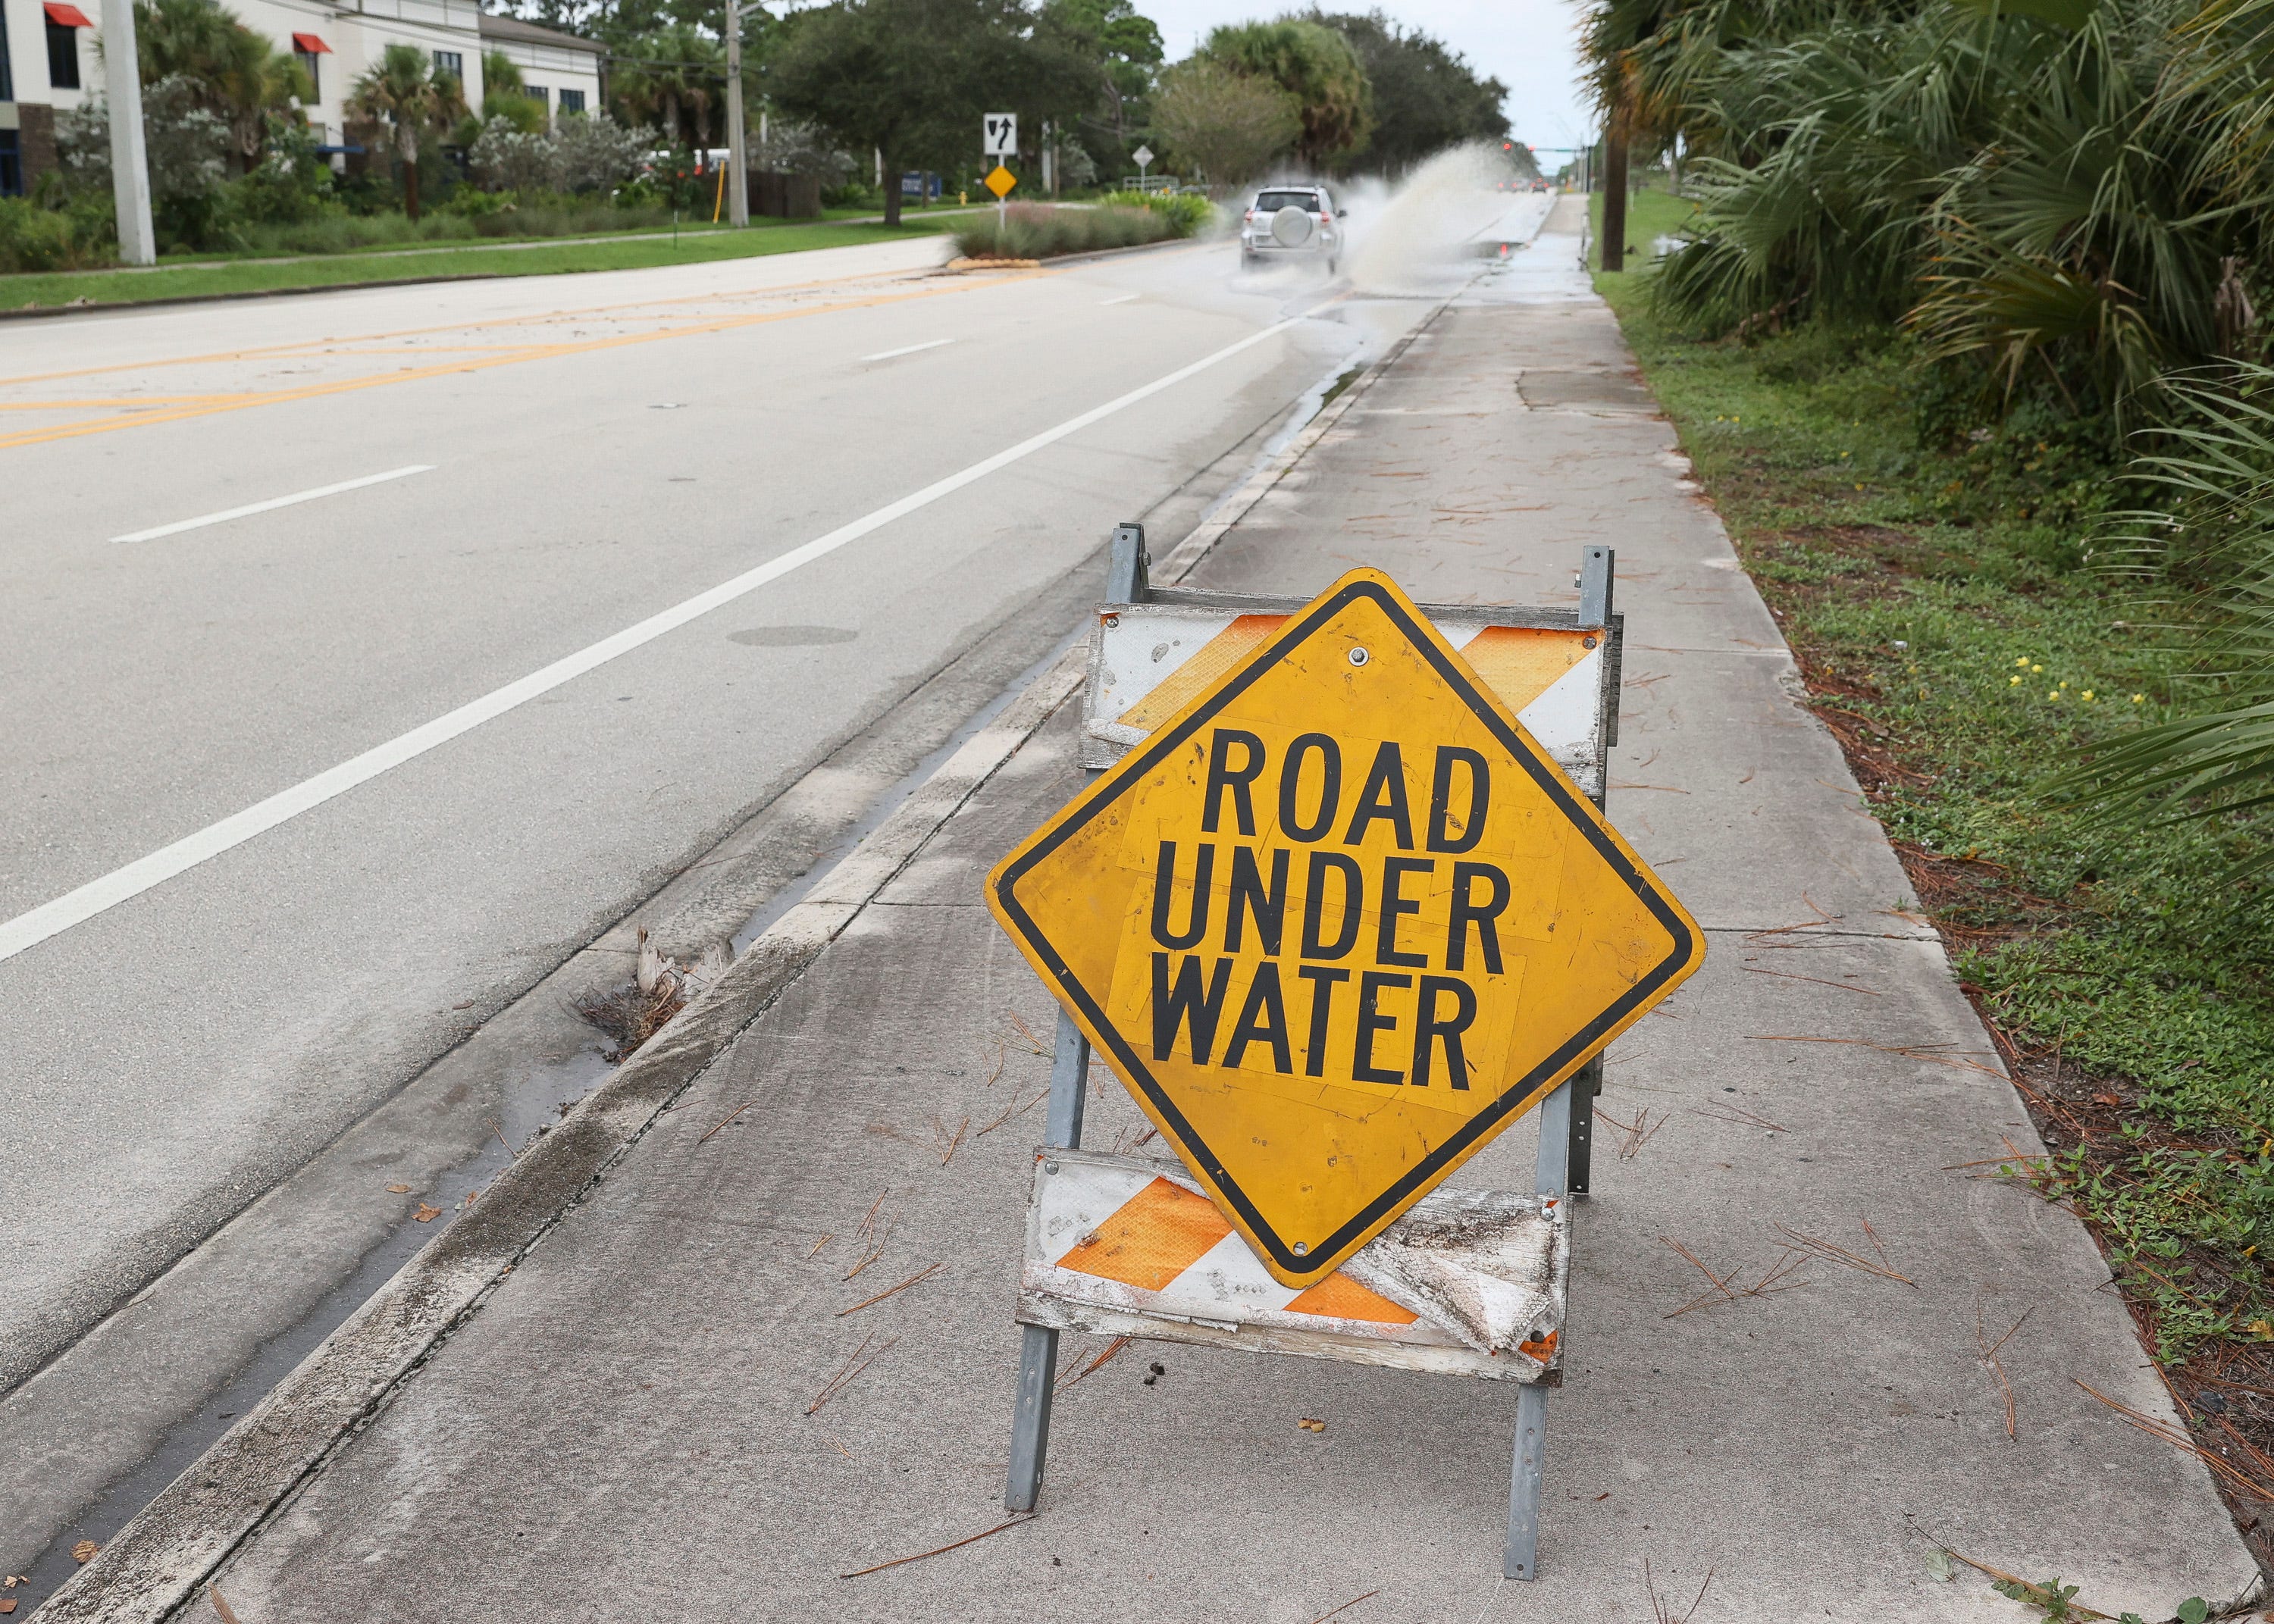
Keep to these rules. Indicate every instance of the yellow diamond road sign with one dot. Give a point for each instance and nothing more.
(1337, 922)
(1000, 180)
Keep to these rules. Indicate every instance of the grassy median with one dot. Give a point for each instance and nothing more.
(40, 291)
(1959, 641)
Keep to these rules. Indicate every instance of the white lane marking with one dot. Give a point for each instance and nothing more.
(1124, 299)
(75, 907)
(275, 502)
(886, 355)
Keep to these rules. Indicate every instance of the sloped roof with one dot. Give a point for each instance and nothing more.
(494, 27)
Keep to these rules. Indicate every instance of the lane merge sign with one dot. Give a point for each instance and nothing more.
(1339, 920)
(998, 135)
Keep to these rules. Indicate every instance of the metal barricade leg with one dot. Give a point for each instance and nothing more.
(1579, 1161)
(1030, 1422)
(1550, 1179)
(1521, 1560)
(1038, 1346)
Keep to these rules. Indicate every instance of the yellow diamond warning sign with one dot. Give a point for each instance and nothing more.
(1338, 921)
(999, 180)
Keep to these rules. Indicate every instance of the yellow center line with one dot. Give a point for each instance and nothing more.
(302, 347)
(133, 402)
(409, 374)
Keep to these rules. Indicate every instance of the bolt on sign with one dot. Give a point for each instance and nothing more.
(1338, 921)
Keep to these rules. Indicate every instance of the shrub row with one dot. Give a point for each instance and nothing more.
(1035, 231)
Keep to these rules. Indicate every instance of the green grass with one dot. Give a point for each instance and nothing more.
(1943, 601)
(482, 260)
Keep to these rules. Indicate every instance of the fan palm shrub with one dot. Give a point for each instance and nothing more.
(2210, 547)
(405, 93)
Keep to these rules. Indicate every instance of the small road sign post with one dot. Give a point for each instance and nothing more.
(1339, 905)
(999, 139)
(1144, 157)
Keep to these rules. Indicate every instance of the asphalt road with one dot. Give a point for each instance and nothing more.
(594, 451)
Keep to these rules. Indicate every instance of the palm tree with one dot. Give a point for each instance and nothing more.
(238, 75)
(404, 91)
(673, 78)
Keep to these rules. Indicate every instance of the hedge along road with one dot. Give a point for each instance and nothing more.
(302, 795)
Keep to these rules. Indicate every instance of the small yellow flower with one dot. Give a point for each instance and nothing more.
(2037, 671)
(2064, 685)
(2086, 696)
(2023, 662)
(2139, 699)
(2055, 695)
(1859, 488)
(2013, 681)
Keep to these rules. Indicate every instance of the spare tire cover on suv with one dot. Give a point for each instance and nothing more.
(1291, 227)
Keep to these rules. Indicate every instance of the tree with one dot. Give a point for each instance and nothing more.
(1223, 124)
(909, 79)
(1125, 50)
(404, 92)
(1425, 95)
(673, 78)
(503, 96)
(1312, 63)
(224, 67)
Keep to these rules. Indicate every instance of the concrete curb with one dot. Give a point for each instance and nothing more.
(44, 311)
(156, 1564)
(108, 307)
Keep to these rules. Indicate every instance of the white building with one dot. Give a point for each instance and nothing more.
(48, 63)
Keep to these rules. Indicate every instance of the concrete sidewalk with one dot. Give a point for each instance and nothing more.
(678, 1408)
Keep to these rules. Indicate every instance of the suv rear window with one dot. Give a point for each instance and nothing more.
(1272, 202)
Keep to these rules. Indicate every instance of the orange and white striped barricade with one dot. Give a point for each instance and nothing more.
(1465, 1282)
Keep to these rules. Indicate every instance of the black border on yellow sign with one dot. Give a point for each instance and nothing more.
(1323, 1256)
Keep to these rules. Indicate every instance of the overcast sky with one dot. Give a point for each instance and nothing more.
(1526, 44)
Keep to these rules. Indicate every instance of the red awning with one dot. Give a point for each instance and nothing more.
(66, 16)
(311, 45)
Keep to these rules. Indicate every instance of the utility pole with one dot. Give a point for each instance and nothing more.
(1614, 186)
(130, 159)
(738, 149)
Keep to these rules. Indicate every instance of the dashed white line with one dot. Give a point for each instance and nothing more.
(1124, 299)
(28, 930)
(275, 502)
(886, 355)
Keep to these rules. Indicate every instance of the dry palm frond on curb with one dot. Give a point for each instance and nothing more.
(660, 988)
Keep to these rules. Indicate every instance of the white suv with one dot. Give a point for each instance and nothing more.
(1292, 221)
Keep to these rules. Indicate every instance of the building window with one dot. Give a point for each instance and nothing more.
(452, 64)
(572, 100)
(309, 49)
(12, 165)
(536, 93)
(63, 56)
